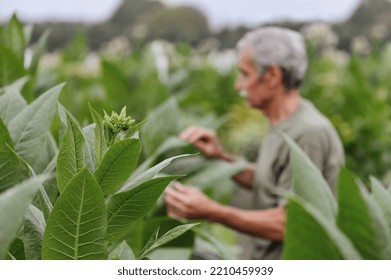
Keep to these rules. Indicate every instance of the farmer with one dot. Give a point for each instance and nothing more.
(272, 65)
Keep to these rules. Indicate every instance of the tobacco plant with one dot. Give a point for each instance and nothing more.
(100, 196)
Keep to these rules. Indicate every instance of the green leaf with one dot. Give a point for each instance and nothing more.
(309, 184)
(11, 66)
(168, 144)
(17, 250)
(13, 37)
(13, 204)
(357, 219)
(214, 171)
(125, 208)
(44, 202)
(70, 158)
(383, 198)
(89, 136)
(149, 173)
(162, 123)
(48, 151)
(114, 80)
(10, 169)
(11, 103)
(122, 252)
(214, 243)
(100, 139)
(311, 236)
(38, 51)
(117, 165)
(34, 227)
(29, 128)
(133, 129)
(77, 225)
(167, 237)
(15, 86)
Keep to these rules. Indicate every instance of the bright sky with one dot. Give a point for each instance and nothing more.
(219, 12)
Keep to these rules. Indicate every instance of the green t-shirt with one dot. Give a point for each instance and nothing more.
(314, 133)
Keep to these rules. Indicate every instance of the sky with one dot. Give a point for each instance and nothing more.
(219, 12)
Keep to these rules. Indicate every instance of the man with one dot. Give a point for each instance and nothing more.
(272, 66)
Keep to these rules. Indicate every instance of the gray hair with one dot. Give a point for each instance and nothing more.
(280, 46)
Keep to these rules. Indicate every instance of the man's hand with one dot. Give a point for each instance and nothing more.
(206, 141)
(187, 202)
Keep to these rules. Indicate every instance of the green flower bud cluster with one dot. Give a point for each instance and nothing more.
(118, 123)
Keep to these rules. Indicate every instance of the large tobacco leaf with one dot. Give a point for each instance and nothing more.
(76, 228)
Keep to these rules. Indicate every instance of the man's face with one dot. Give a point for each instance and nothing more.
(251, 83)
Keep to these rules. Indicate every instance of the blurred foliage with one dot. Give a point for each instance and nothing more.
(354, 94)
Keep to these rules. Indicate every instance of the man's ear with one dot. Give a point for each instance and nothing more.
(274, 75)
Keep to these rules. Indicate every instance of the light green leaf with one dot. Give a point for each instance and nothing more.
(309, 184)
(13, 37)
(125, 208)
(44, 202)
(383, 198)
(13, 204)
(38, 50)
(117, 165)
(206, 239)
(168, 144)
(149, 173)
(34, 227)
(48, 151)
(70, 158)
(15, 86)
(29, 128)
(311, 236)
(89, 136)
(162, 123)
(28, 33)
(11, 104)
(77, 225)
(357, 219)
(167, 237)
(100, 139)
(214, 171)
(122, 252)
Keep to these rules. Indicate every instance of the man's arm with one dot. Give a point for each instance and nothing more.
(206, 141)
(190, 203)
